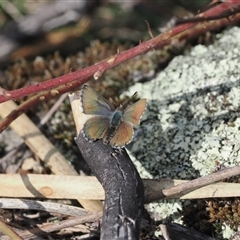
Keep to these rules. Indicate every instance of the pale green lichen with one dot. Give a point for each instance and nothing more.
(192, 119)
(227, 231)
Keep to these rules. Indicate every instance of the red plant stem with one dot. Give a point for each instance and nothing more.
(98, 69)
(34, 101)
(81, 75)
(224, 14)
(47, 94)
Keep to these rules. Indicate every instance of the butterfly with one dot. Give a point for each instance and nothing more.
(112, 124)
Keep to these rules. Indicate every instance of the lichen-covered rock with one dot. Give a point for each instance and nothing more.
(192, 119)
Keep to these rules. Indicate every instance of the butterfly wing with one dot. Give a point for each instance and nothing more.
(95, 128)
(133, 113)
(123, 135)
(95, 104)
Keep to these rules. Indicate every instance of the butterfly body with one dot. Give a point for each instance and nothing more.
(113, 125)
(114, 122)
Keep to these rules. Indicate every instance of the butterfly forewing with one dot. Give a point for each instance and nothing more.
(94, 104)
(122, 136)
(95, 128)
(134, 112)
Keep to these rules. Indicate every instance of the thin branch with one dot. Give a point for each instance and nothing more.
(202, 181)
(9, 203)
(44, 149)
(42, 122)
(53, 109)
(34, 100)
(225, 14)
(8, 231)
(57, 187)
(61, 225)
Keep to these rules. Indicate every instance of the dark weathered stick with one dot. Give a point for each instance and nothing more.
(124, 191)
(179, 232)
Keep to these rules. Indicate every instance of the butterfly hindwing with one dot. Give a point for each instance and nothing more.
(123, 135)
(95, 104)
(95, 128)
(134, 112)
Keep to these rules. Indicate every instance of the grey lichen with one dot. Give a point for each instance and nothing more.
(192, 119)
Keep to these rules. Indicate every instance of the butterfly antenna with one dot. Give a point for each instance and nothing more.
(124, 105)
(112, 102)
